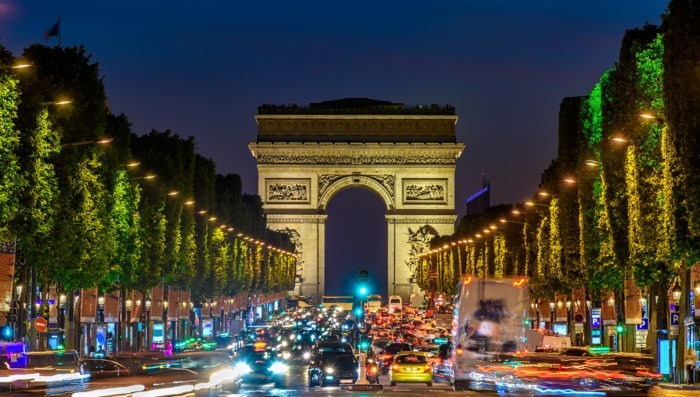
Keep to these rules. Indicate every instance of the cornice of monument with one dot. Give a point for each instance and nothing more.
(355, 153)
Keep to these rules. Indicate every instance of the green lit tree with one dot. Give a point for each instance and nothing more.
(11, 178)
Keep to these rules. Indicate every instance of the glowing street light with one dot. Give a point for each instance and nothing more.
(592, 163)
(532, 204)
(101, 141)
(504, 220)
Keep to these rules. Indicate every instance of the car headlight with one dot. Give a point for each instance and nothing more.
(329, 370)
(306, 355)
(286, 355)
(242, 368)
(284, 343)
(279, 368)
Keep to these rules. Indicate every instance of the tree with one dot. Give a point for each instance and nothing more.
(11, 178)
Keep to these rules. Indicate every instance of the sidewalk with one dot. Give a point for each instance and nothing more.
(674, 390)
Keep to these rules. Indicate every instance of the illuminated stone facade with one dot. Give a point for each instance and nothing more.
(305, 158)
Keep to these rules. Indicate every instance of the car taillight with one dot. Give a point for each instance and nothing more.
(373, 370)
(395, 367)
(427, 368)
(460, 350)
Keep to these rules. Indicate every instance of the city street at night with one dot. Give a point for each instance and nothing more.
(377, 198)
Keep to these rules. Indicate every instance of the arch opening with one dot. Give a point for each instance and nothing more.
(351, 245)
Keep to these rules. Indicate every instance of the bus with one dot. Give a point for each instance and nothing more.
(294, 301)
(341, 302)
(374, 303)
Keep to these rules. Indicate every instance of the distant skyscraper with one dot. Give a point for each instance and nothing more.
(478, 202)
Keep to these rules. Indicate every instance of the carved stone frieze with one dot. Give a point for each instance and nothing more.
(387, 180)
(288, 158)
(326, 180)
(425, 192)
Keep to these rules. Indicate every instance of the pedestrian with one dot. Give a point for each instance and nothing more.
(691, 359)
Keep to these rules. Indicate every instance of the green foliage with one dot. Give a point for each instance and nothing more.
(11, 179)
(85, 246)
(39, 195)
(592, 114)
(127, 229)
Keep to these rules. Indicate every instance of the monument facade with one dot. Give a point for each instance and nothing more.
(407, 156)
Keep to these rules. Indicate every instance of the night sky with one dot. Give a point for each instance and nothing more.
(202, 68)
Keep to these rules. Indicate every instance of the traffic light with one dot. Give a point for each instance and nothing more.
(363, 275)
(358, 312)
(620, 328)
(363, 290)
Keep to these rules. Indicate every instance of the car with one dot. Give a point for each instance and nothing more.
(332, 346)
(384, 358)
(332, 368)
(109, 367)
(260, 365)
(413, 367)
(49, 371)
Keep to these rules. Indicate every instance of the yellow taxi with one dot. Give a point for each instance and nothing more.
(413, 367)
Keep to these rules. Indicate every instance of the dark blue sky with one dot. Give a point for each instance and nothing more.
(201, 68)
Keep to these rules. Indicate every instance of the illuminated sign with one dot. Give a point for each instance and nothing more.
(595, 318)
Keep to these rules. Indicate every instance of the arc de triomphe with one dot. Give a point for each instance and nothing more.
(407, 156)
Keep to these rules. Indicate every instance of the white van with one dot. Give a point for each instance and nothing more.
(395, 304)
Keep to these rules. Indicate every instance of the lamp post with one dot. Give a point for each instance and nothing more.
(147, 304)
(551, 314)
(569, 323)
(128, 305)
(19, 317)
(166, 323)
(101, 308)
(62, 311)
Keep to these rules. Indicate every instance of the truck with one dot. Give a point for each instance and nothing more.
(488, 326)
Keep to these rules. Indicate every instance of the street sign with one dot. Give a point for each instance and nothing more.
(675, 318)
(644, 325)
(40, 324)
(595, 317)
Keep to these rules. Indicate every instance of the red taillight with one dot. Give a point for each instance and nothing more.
(372, 370)
(427, 368)
(460, 350)
(395, 367)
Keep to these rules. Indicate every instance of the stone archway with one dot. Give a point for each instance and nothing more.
(406, 156)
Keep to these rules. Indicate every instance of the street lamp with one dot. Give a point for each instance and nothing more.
(128, 303)
(61, 310)
(101, 141)
(148, 321)
(676, 292)
(101, 309)
(551, 310)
